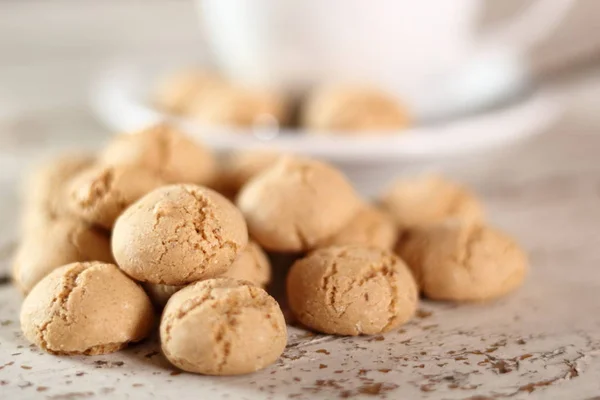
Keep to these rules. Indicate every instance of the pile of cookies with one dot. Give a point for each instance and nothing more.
(156, 223)
(330, 109)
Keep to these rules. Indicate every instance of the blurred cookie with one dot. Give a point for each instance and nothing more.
(178, 91)
(355, 110)
(426, 200)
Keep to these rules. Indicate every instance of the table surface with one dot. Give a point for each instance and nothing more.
(541, 342)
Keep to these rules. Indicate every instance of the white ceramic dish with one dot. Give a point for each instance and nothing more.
(120, 100)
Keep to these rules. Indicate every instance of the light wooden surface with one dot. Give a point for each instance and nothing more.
(543, 342)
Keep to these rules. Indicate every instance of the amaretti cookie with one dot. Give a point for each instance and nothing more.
(356, 110)
(165, 151)
(431, 199)
(238, 168)
(296, 204)
(86, 308)
(177, 91)
(100, 194)
(463, 262)
(351, 290)
(160, 294)
(179, 234)
(239, 106)
(222, 327)
(54, 243)
(369, 227)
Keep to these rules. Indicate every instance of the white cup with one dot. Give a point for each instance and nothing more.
(399, 44)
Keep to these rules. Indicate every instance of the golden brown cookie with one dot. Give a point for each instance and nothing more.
(222, 327)
(54, 243)
(178, 234)
(351, 290)
(160, 294)
(369, 227)
(239, 106)
(463, 262)
(426, 200)
(98, 195)
(296, 204)
(86, 308)
(45, 187)
(355, 110)
(177, 91)
(165, 151)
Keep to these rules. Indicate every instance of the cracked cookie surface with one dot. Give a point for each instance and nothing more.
(463, 262)
(297, 203)
(86, 308)
(222, 326)
(178, 234)
(351, 290)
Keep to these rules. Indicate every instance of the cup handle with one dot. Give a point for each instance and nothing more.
(530, 26)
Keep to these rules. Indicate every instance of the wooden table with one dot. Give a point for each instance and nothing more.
(542, 342)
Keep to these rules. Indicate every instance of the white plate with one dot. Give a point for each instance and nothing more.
(120, 99)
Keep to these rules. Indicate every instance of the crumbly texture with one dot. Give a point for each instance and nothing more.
(54, 243)
(178, 91)
(179, 234)
(238, 168)
(252, 265)
(369, 227)
(164, 150)
(463, 262)
(355, 110)
(86, 308)
(222, 327)
(45, 187)
(351, 290)
(100, 194)
(239, 106)
(427, 200)
(296, 204)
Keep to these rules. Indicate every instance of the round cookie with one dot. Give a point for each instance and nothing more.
(296, 204)
(354, 110)
(252, 265)
(368, 227)
(463, 262)
(178, 234)
(100, 194)
(241, 107)
(427, 200)
(86, 308)
(165, 151)
(54, 243)
(351, 290)
(44, 188)
(176, 92)
(222, 327)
